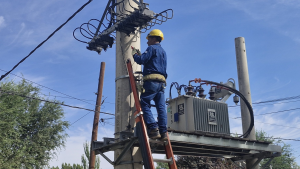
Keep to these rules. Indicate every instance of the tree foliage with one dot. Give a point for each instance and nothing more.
(285, 161)
(30, 130)
(85, 158)
(161, 165)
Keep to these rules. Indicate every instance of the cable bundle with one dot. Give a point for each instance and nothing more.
(117, 17)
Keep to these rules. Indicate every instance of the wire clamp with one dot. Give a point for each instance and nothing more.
(140, 113)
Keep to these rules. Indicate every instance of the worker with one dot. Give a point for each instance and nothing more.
(154, 60)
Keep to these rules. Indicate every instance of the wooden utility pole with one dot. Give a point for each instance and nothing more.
(97, 115)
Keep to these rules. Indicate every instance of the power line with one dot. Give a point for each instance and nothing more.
(268, 104)
(71, 17)
(271, 112)
(271, 124)
(76, 107)
(82, 100)
(275, 138)
(81, 118)
(278, 125)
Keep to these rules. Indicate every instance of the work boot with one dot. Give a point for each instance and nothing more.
(154, 134)
(164, 137)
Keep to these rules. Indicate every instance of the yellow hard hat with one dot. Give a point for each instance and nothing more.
(156, 32)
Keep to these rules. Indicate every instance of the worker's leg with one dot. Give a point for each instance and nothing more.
(160, 103)
(151, 88)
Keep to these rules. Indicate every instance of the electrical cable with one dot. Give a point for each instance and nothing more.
(81, 118)
(82, 100)
(277, 125)
(268, 104)
(62, 104)
(272, 112)
(272, 124)
(275, 138)
(3, 76)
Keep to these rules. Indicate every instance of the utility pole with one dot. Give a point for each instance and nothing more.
(124, 109)
(244, 88)
(97, 115)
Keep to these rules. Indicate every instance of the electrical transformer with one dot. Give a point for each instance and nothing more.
(190, 113)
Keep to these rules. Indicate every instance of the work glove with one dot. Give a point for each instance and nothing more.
(136, 51)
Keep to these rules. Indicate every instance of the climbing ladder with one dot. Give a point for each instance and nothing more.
(142, 134)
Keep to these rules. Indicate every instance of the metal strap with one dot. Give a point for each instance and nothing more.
(125, 76)
(140, 113)
(121, 77)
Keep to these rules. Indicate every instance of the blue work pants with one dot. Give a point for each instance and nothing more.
(154, 90)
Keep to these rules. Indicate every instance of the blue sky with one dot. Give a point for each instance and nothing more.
(199, 42)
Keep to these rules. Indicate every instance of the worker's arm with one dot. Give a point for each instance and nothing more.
(145, 57)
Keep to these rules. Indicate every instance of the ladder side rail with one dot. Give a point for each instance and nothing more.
(133, 87)
(140, 124)
(169, 153)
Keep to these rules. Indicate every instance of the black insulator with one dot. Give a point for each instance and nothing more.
(190, 91)
(201, 91)
(211, 94)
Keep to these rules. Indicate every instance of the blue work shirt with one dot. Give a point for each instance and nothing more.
(154, 60)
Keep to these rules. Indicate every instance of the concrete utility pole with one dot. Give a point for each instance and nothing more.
(244, 88)
(124, 121)
(97, 115)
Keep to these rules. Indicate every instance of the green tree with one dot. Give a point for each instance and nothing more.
(85, 158)
(285, 161)
(30, 130)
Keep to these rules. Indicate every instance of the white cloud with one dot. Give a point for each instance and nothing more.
(74, 147)
(2, 22)
(280, 15)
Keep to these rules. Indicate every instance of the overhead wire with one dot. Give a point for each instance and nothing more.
(275, 100)
(62, 104)
(276, 138)
(272, 124)
(71, 17)
(82, 100)
(80, 118)
(272, 112)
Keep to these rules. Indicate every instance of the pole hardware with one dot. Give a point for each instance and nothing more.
(127, 21)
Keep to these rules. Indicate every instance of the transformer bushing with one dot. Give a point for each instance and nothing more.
(201, 91)
(190, 91)
(211, 94)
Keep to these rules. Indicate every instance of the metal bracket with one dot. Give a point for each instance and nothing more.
(124, 135)
(126, 148)
(140, 113)
(106, 158)
(264, 166)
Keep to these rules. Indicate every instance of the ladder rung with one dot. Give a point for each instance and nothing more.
(170, 160)
(156, 141)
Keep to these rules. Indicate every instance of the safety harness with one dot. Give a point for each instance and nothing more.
(157, 77)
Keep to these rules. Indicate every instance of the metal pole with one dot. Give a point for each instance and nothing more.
(124, 110)
(244, 88)
(97, 115)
